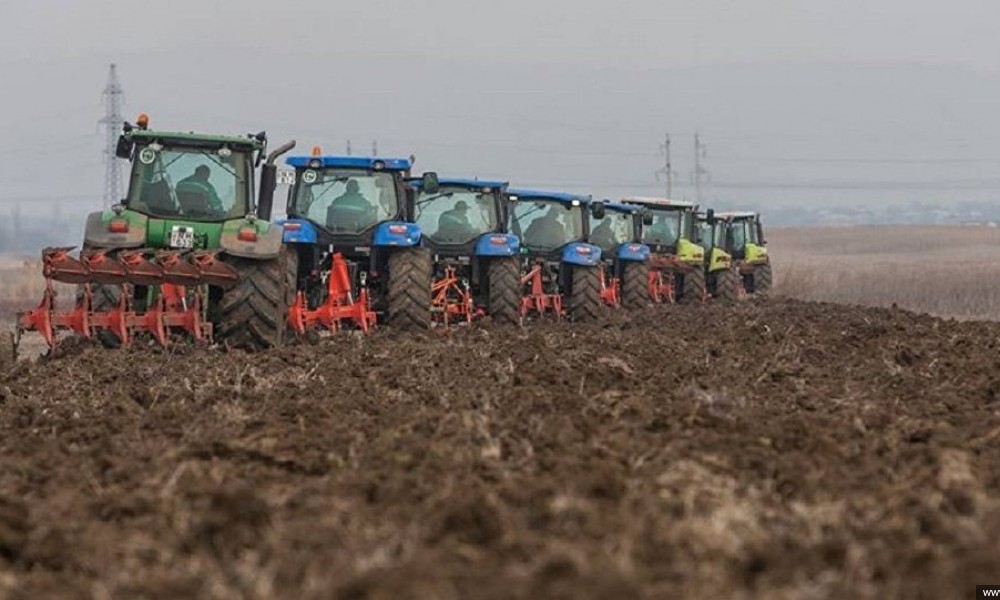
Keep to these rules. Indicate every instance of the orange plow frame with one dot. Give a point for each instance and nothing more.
(609, 292)
(173, 307)
(450, 297)
(339, 306)
(537, 300)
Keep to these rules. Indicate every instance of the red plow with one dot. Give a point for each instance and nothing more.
(537, 300)
(339, 308)
(175, 303)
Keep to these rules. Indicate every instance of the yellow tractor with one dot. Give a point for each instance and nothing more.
(745, 242)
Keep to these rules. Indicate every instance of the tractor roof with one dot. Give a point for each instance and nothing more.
(417, 182)
(658, 202)
(179, 137)
(736, 214)
(625, 208)
(563, 197)
(349, 162)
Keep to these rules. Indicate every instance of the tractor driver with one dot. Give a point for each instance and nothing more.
(197, 196)
(454, 225)
(604, 235)
(547, 231)
(350, 210)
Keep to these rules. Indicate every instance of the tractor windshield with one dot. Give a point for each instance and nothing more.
(456, 215)
(615, 229)
(190, 183)
(739, 235)
(665, 229)
(705, 234)
(346, 200)
(546, 224)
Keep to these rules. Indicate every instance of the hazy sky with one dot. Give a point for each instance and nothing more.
(807, 101)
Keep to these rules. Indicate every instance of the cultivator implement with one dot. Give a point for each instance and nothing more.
(177, 280)
(537, 300)
(610, 294)
(451, 299)
(340, 307)
(661, 288)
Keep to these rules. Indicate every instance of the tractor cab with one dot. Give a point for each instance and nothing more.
(350, 201)
(554, 225)
(744, 236)
(463, 218)
(190, 191)
(672, 229)
(618, 232)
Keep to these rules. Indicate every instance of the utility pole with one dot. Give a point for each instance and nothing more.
(700, 175)
(349, 147)
(375, 148)
(667, 170)
(112, 121)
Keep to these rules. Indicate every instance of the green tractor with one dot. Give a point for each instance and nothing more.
(745, 242)
(722, 279)
(187, 253)
(677, 261)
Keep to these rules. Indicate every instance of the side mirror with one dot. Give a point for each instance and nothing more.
(429, 182)
(124, 148)
(597, 210)
(760, 233)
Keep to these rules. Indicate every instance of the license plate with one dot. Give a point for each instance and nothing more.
(181, 237)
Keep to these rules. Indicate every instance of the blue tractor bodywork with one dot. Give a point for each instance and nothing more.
(562, 266)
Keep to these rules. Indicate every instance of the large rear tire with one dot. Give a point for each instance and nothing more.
(253, 314)
(504, 292)
(410, 274)
(727, 286)
(762, 278)
(693, 287)
(585, 294)
(635, 286)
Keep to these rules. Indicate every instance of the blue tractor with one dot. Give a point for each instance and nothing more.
(475, 259)
(625, 277)
(562, 271)
(358, 250)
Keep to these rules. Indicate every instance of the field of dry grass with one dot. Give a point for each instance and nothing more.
(946, 271)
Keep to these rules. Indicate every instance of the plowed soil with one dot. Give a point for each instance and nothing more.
(776, 450)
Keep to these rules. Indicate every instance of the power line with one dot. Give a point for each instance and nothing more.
(113, 96)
